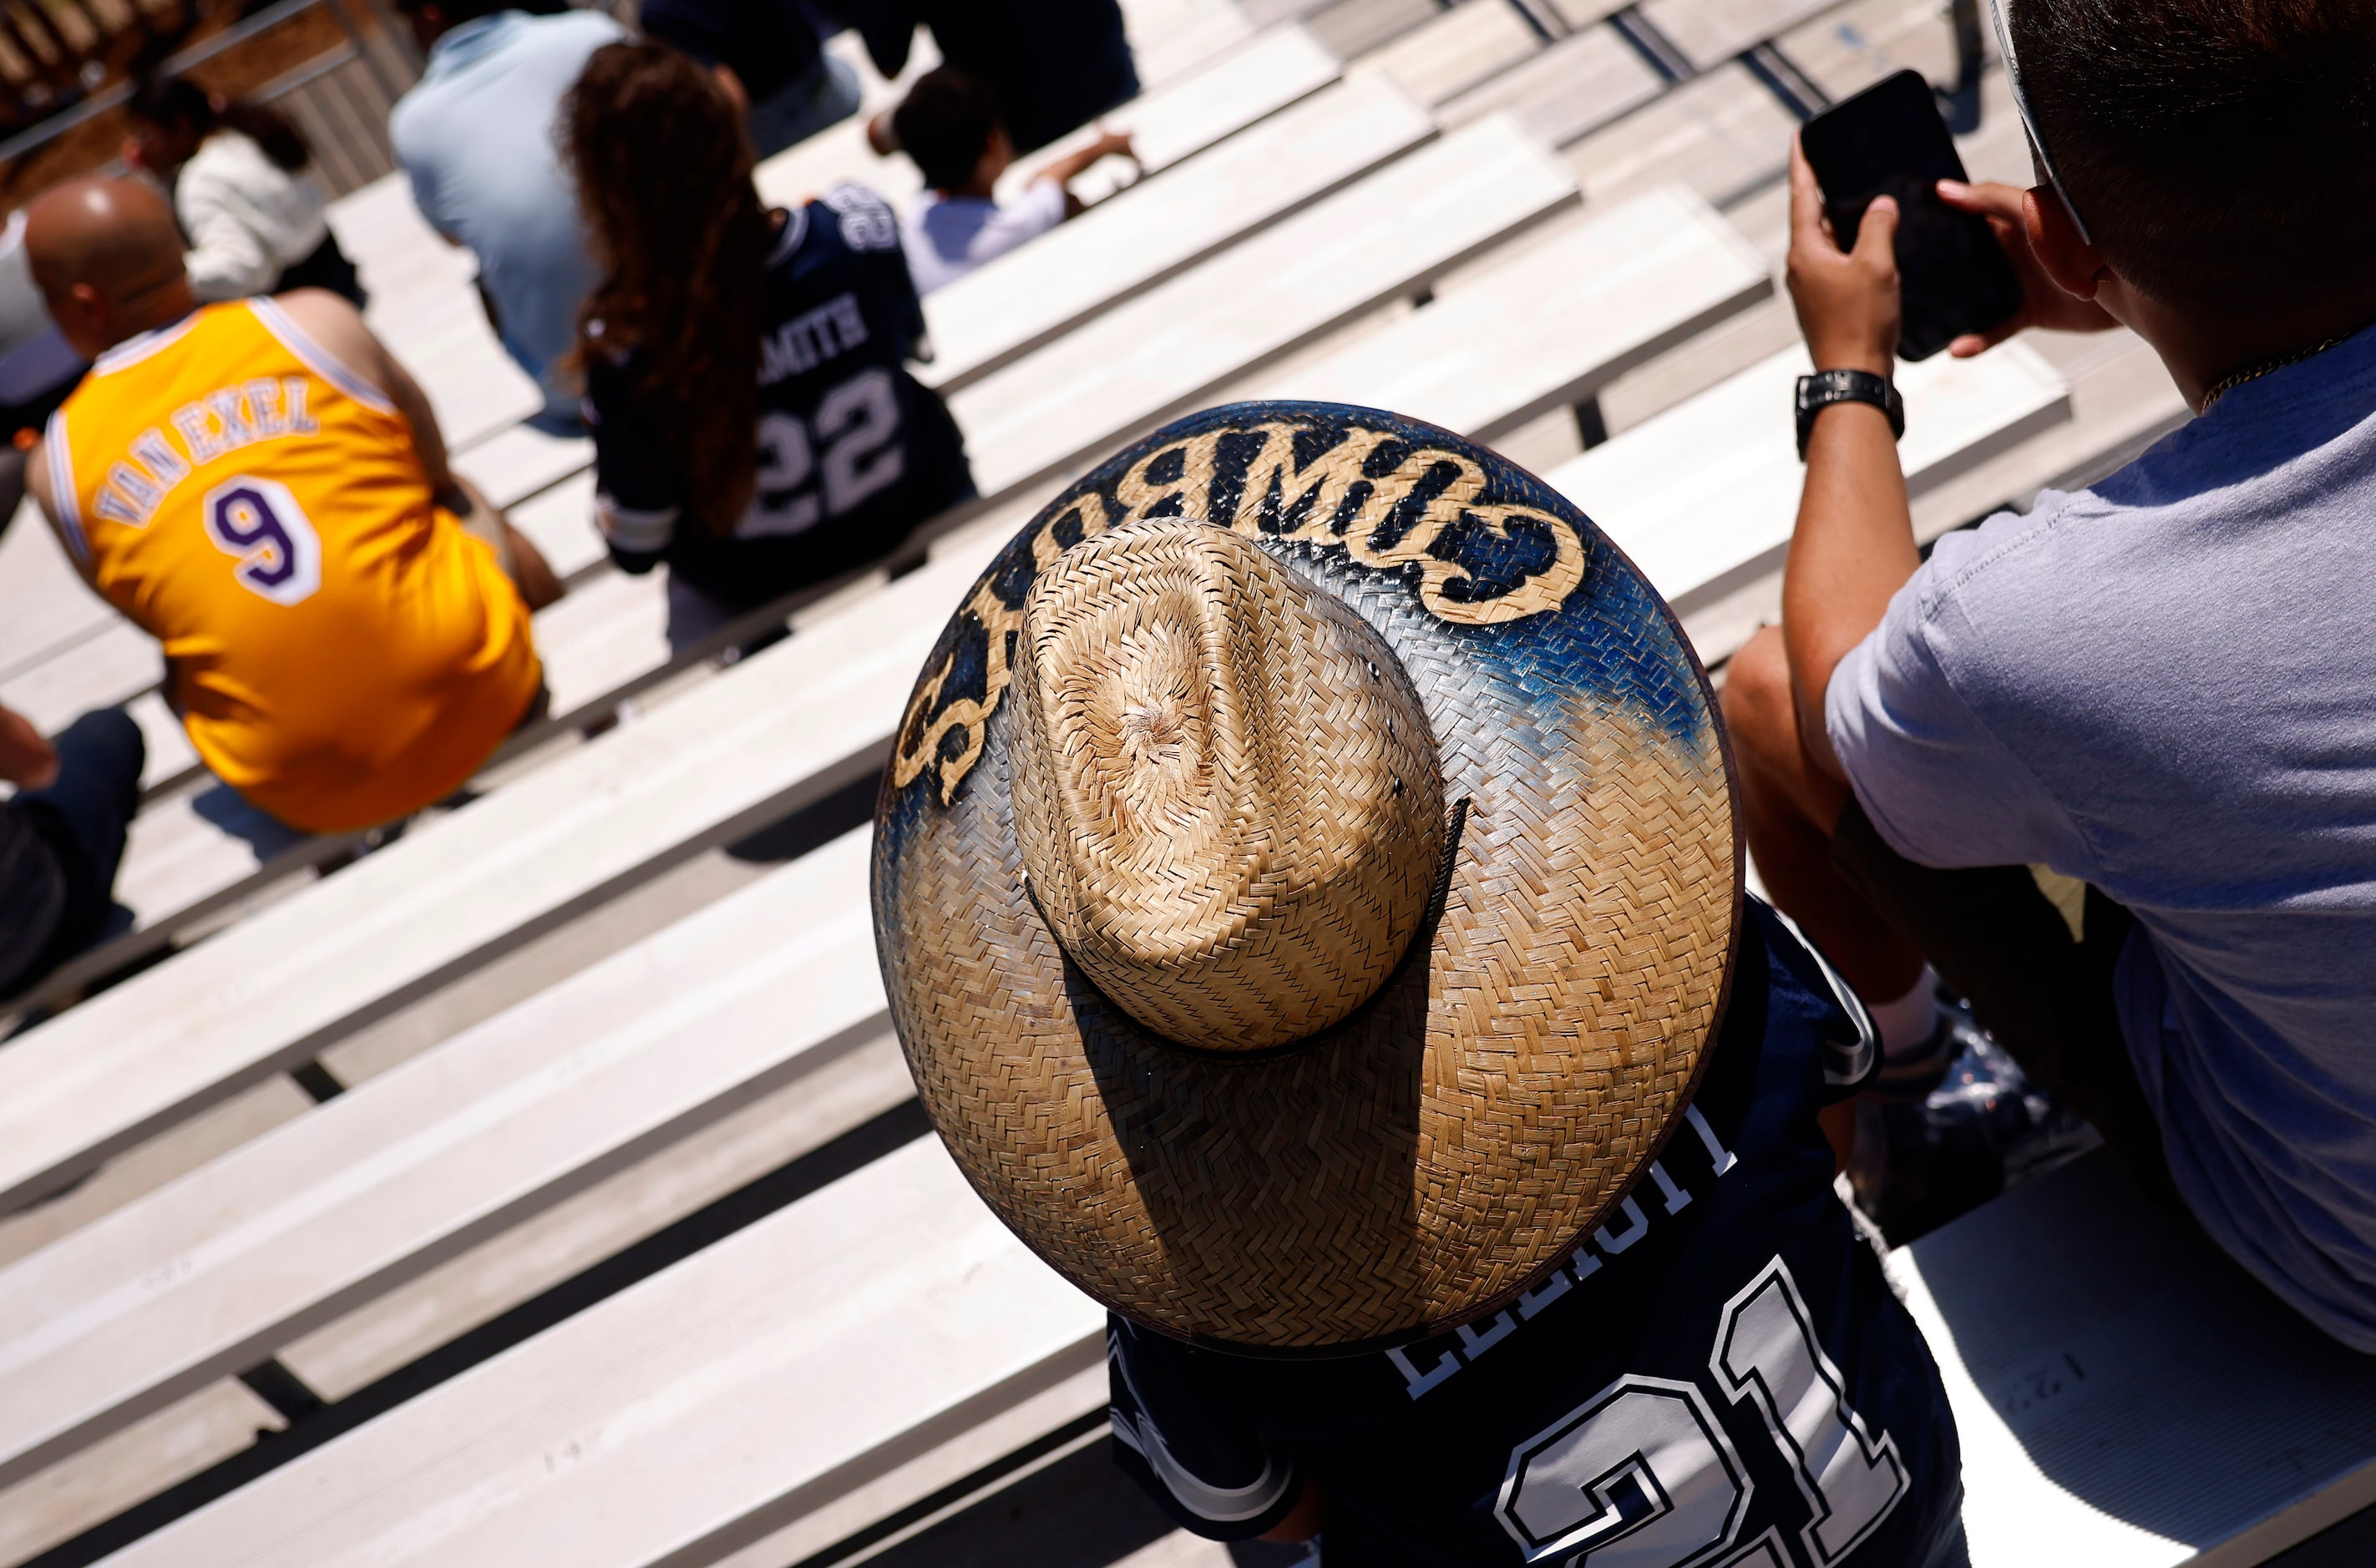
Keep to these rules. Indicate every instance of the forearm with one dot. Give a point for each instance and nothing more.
(1851, 552)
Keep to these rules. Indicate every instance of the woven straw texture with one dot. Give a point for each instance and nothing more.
(1226, 792)
(1417, 1163)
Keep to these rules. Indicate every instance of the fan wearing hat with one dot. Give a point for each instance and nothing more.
(1309, 890)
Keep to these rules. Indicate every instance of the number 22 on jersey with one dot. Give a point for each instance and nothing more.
(1642, 1475)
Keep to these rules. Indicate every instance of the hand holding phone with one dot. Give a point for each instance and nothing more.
(1890, 141)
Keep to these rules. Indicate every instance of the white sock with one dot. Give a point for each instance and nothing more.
(1908, 1022)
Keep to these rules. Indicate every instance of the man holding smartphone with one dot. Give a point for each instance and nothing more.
(2159, 686)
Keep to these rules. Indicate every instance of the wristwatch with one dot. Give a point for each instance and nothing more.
(1821, 390)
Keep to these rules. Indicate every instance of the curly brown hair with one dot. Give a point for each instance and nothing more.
(663, 168)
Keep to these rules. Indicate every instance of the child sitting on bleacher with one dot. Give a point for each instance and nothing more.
(1307, 889)
(950, 126)
(754, 423)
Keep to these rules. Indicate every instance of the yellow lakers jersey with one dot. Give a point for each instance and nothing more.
(341, 652)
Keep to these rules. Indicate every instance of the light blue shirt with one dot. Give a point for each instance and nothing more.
(2166, 687)
(477, 138)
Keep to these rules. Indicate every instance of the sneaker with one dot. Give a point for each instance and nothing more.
(1942, 1133)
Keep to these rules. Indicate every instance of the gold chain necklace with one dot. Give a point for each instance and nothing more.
(2271, 366)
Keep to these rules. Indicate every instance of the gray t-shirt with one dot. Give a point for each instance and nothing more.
(2166, 687)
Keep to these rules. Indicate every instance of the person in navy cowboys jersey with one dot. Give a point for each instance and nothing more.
(1720, 1375)
(754, 423)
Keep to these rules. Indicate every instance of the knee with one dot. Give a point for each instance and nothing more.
(1759, 710)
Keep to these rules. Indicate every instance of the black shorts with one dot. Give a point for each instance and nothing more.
(1995, 937)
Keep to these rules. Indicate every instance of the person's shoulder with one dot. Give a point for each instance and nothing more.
(591, 26)
(854, 219)
(2031, 557)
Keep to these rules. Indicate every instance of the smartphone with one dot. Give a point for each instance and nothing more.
(1891, 140)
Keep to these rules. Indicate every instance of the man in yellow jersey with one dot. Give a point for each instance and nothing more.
(260, 486)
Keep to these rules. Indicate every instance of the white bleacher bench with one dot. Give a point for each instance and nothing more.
(1466, 46)
(207, 1277)
(1709, 33)
(789, 726)
(190, 1071)
(1393, 232)
(1548, 327)
(2126, 1397)
(1584, 81)
(265, 1326)
(1703, 497)
(696, 1412)
(1652, 266)
(1390, 234)
(1030, 296)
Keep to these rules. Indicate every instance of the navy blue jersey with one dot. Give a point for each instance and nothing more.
(853, 453)
(1718, 1376)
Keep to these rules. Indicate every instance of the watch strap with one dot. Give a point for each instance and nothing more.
(1825, 387)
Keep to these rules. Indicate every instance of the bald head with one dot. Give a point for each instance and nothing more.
(108, 256)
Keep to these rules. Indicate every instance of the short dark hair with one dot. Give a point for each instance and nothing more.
(946, 124)
(2211, 147)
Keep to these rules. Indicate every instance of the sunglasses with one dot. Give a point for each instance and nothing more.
(2004, 9)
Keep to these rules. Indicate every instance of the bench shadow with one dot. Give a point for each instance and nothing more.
(1080, 1511)
(2141, 1370)
(220, 806)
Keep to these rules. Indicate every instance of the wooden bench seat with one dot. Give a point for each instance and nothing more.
(1546, 329)
(1164, 350)
(1709, 33)
(792, 724)
(280, 1302)
(1660, 265)
(758, 1380)
(1466, 46)
(105, 1109)
(1703, 497)
(2126, 1396)
(996, 314)
(211, 1275)
(1577, 84)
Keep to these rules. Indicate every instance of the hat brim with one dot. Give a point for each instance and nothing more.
(1435, 1154)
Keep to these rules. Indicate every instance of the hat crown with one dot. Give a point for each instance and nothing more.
(1226, 792)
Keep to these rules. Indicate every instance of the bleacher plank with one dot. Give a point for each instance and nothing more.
(101, 1482)
(1181, 117)
(558, 1246)
(1723, 135)
(1709, 33)
(2127, 1397)
(1544, 329)
(795, 723)
(1575, 86)
(1171, 38)
(1027, 298)
(112, 664)
(43, 605)
(1459, 49)
(1389, 234)
(1703, 497)
(694, 1412)
(217, 1271)
(1849, 48)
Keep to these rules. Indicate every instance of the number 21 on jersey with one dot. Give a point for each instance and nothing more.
(258, 523)
(1642, 1475)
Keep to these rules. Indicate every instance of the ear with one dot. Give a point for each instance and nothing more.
(2077, 267)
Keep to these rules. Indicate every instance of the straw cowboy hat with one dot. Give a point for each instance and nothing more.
(1306, 880)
